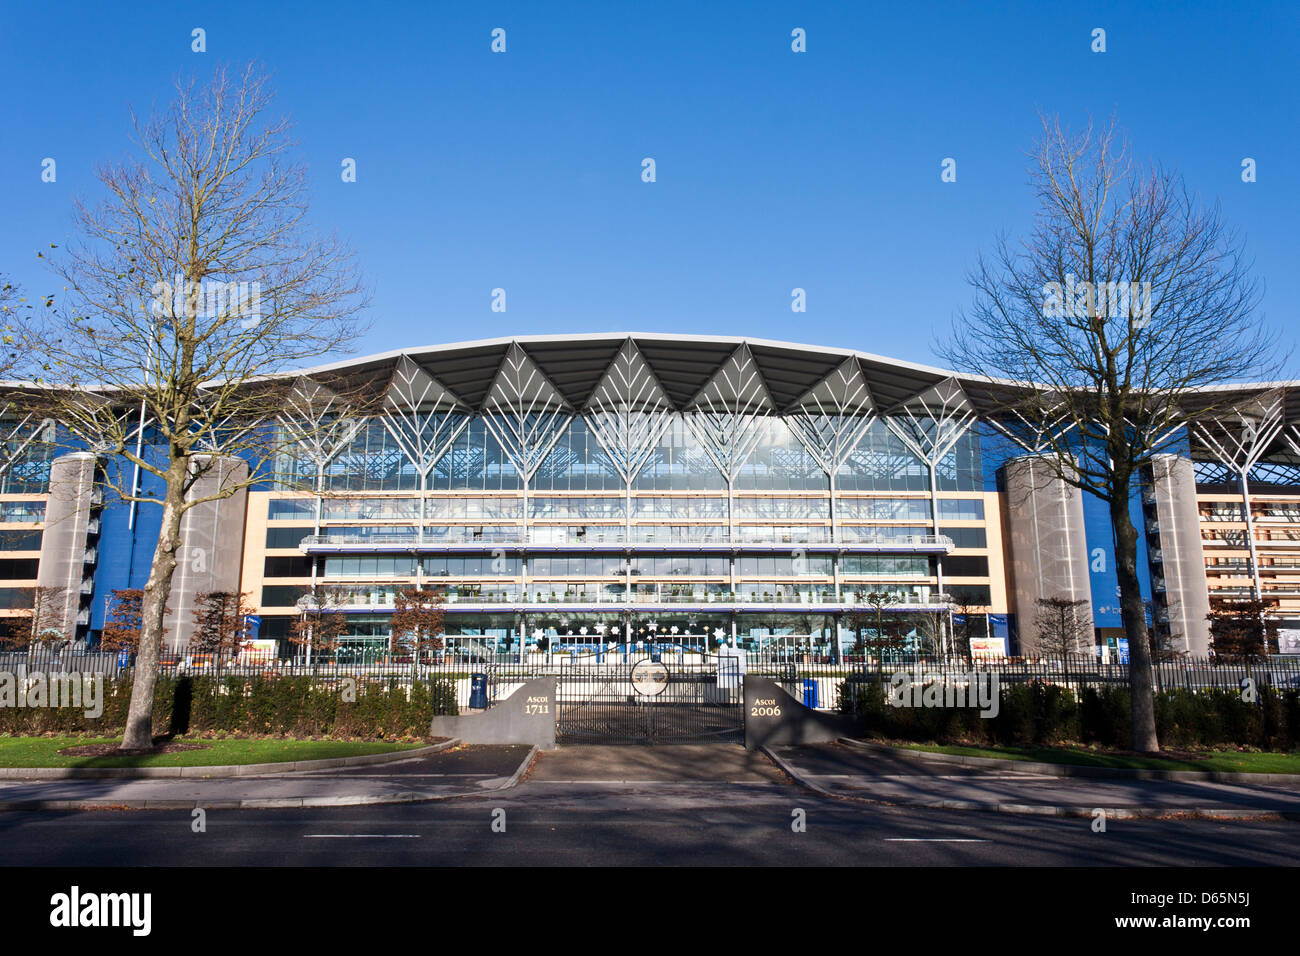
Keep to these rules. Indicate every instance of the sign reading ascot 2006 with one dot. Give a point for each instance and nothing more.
(38, 689)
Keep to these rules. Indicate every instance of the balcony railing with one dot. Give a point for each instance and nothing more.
(382, 597)
(599, 538)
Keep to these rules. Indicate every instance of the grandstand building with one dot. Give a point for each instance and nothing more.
(604, 489)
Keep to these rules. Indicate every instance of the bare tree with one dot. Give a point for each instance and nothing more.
(935, 629)
(13, 317)
(1242, 630)
(1098, 333)
(220, 624)
(1061, 629)
(320, 625)
(195, 286)
(884, 634)
(968, 620)
(417, 622)
(1166, 645)
(48, 619)
(16, 631)
(124, 622)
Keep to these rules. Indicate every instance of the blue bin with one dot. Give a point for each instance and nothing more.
(809, 692)
(478, 691)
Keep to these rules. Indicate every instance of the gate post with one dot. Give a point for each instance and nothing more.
(774, 718)
(525, 717)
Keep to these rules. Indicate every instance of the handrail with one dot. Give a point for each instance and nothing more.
(415, 543)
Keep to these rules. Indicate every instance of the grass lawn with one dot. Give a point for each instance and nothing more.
(43, 752)
(1221, 761)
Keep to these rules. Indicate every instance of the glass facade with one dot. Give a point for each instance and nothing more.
(722, 513)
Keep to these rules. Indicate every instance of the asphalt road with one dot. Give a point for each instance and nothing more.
(552, 822)
(877, 774)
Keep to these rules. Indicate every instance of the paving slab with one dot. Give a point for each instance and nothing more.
(461, 771)
(679, 763)
(844, 771)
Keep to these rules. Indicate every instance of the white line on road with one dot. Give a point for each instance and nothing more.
(934, 776)
(933, 840)
(361, 836)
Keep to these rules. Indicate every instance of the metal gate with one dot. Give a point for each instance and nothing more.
(644, 701)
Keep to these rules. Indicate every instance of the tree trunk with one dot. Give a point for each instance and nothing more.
(1135, 627)
(139, 720)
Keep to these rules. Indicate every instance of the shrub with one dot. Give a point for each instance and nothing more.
(1040, 714)
(297, 706)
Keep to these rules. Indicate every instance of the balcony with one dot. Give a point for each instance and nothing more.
(645, 596)
(598, 539)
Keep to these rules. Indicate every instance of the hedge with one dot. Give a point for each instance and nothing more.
(294, 706)
(1042, 714)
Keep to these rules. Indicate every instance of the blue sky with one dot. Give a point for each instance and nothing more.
(775, 170)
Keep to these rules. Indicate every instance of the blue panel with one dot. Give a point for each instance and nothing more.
(1101, 558)
(124, 555)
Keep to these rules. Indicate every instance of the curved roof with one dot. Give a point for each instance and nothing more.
(683, 365)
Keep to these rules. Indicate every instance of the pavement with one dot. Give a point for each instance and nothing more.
(684, 763)
(626, 806)
(879, 776)
(458, 772)
(691, 772)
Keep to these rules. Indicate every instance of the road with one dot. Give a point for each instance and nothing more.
(581, 807)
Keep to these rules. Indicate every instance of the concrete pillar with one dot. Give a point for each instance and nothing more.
(1049, 551)
(1182, 565)
(67, 558)
(212, 544)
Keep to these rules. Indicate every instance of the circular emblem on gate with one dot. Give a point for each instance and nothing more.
(649, 678)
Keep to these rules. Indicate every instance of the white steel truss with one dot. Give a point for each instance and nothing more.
(831, 419)
(930, 424)
(1239, 438)
(629, 412)
(730, 413)
(833, 415)
(423, 417)
(318, 421)
(14, 441)
(227, 435)
(1040, 432)
(525, 412)
(1292, 437)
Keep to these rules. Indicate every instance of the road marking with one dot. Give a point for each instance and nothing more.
(934, 840)
(361, 836)
(934, 776)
